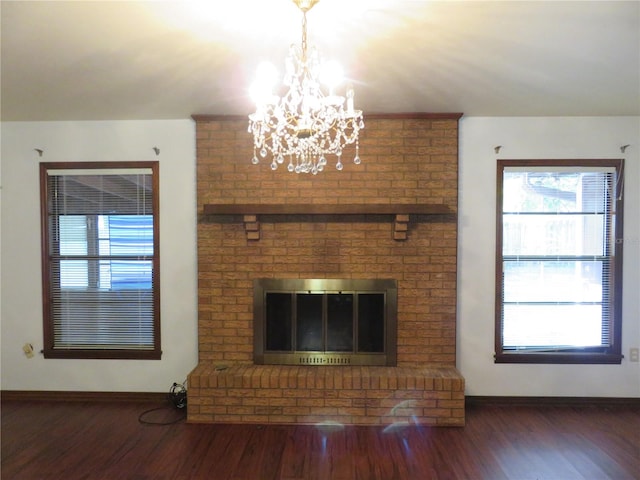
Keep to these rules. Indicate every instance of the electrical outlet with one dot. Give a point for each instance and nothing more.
(27, 348)
(634, 354)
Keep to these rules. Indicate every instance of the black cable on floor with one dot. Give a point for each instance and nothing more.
(142, 420)
(177, 398)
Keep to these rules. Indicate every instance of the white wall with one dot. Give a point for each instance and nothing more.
(21, 305)
(21, 311)
(538, 138)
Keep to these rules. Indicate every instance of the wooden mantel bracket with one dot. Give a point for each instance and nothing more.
(251, 227)
(401, 213)
(401, 227)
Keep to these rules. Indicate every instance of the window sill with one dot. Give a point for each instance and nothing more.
(559, 358)
(103, 354)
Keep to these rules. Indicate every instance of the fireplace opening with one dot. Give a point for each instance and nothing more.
(325, 322)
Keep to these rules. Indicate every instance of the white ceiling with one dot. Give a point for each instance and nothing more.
(99, 60)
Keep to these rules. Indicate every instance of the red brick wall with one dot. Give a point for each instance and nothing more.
(405, 159)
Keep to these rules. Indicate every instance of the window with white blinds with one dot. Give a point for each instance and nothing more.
(101, 260)
(559, 261)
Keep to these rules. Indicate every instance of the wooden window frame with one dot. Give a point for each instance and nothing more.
(50, 350)
(577, 355)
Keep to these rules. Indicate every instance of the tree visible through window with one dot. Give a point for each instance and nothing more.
(100, 260)
(559, 266)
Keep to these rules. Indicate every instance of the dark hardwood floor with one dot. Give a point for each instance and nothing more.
(105, 440)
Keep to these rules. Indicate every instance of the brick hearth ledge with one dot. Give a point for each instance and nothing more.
(350, 395)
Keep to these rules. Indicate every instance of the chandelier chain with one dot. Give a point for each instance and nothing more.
(304, 37)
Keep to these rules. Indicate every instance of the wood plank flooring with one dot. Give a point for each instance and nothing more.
(105, 441)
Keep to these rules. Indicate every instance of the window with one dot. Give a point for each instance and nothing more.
(559, 264)
(100, 260)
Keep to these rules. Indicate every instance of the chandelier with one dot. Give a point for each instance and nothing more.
(305, 124)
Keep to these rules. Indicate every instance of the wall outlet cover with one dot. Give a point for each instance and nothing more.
(27, 348)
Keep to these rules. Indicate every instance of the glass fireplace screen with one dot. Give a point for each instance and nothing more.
(325, 322)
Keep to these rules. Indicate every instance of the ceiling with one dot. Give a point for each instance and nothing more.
(107, 60)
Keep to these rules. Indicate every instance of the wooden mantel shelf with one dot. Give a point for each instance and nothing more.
(325, 209)
(401, 213)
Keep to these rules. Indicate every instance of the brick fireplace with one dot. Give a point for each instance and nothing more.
(392, 217)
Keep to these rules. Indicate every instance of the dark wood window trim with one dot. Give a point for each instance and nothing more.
(50, 350)
(596, 355)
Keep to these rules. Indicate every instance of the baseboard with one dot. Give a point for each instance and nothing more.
(470, 400)
(62, 396)
(475, 400)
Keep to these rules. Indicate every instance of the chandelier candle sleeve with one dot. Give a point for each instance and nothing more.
(304, 124)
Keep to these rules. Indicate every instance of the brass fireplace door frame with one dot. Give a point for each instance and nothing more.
(263, 286)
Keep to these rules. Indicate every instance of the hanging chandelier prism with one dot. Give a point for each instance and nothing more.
(305, 124)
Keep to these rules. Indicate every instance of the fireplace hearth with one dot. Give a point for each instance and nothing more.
(325, 322)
